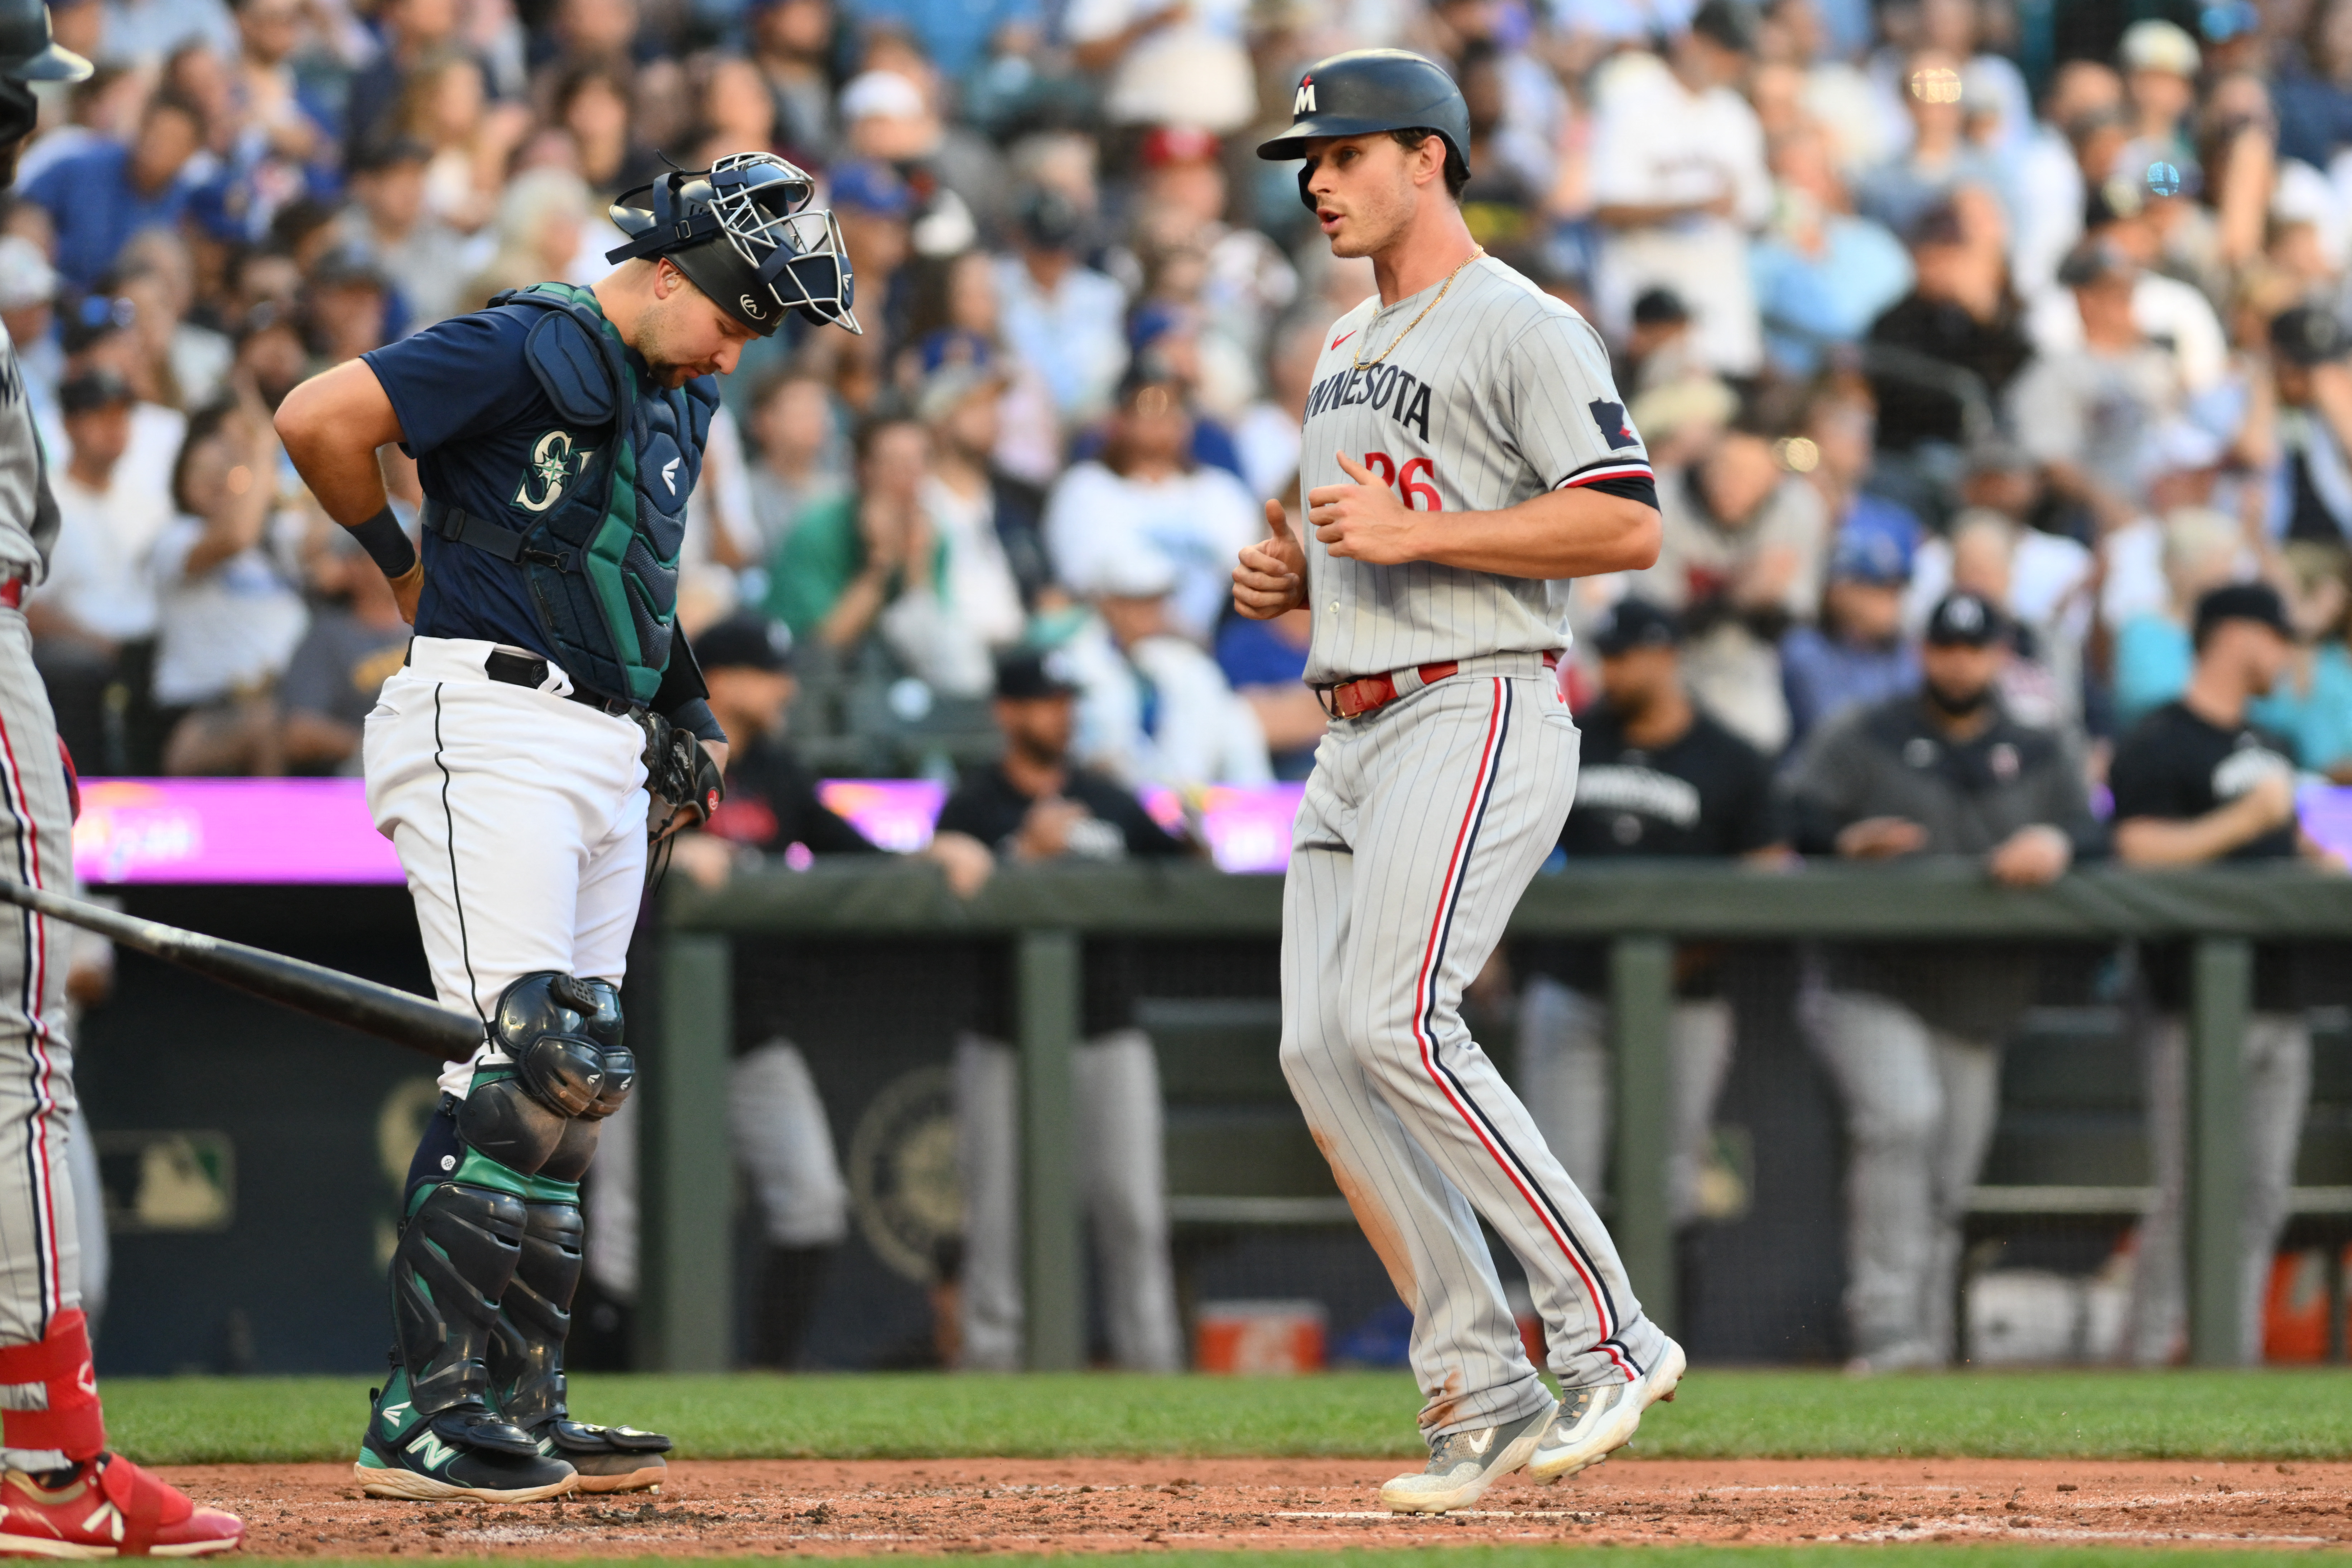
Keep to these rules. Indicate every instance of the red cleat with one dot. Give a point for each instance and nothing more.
(112, 1508)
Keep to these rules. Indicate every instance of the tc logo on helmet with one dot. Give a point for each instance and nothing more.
(1305, 102)
(752, 308)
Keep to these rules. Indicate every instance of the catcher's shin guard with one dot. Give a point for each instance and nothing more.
(526, 1360)
(432, 1433)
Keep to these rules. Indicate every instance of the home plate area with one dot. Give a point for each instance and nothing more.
(863, 1508)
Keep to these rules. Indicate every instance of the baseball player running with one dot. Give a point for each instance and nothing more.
(61, 1493)
(1465, 451)
(558, 434)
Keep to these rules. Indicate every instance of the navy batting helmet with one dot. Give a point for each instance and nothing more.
(739, 231)
(29, 53)
(1364, 91)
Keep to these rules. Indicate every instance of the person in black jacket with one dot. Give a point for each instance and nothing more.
(1035, 805)
(1959, 315)
(1913, 1041)
(1656, 777)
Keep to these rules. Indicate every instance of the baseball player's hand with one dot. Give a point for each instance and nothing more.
(1272, 577)
(1363, 522)
(407, 588)
(2033, 855)
(1881, 838)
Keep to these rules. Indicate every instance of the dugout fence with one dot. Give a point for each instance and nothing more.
(1235, 1150)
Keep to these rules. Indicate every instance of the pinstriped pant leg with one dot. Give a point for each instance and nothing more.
(1465, 796)
(39, 1245)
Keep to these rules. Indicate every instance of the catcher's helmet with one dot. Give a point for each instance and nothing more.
(1367, 90)
(739, 231)
(29, 53)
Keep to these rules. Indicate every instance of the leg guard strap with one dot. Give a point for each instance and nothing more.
(73, 1423)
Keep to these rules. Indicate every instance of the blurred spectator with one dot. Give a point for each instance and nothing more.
(356, 639)
(29, 291)
(2047, 181)
(543, 234)
(228, 613)
(993, 522)
(1940, 159)
(2091, 415)
(873, 562)
(1034, 806)
(93, 615)
(390, 226)
(2174, 315)
(2315, 87)
(1146, 494)
(2160, 65)
(1913, 1047)
(593, 103)
(2153, 656)
(144, 33)
(1678, 182)
(98, 198)
(1181, 62)
(1859, 654)
(2307, 503)
(1060, 317)
(789, 42)
(874, 207)
(1154, 708)
(467, 140)
(1821, 274)
(2195, 783)
(1959, 317)
(799, 462)
(414, 32)
(1741, 561)
(1656, 777)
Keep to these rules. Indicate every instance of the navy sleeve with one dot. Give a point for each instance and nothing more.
(458, 377)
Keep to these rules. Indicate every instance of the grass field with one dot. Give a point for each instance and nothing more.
(2269, 1414)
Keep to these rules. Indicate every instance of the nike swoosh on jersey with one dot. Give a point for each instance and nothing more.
(1343, 337)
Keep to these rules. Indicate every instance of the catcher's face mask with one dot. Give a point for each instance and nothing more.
(742, 230)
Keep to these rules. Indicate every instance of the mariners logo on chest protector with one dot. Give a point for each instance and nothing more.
(554, 465)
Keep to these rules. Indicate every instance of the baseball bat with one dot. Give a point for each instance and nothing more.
(400, 1016)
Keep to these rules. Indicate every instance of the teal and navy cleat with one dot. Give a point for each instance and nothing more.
(460, 1453)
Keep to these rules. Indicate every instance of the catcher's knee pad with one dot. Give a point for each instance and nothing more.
(455, 1260)
(562, 1035)
(535, 1315)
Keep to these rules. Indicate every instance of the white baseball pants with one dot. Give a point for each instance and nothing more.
(1423, 821)
(521, 821)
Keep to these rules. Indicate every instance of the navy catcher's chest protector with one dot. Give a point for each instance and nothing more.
(602, 558)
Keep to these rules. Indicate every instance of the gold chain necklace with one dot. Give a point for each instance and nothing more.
(1359, 362)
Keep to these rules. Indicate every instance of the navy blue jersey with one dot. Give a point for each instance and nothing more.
(485, 439)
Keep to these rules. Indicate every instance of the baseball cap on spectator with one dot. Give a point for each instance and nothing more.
(1659, 307)
(745, 640)
(2307, 335)
(883, 95)
(954, 345)
(93, 389)
(1730, 23)
(2228, 19)
(1026, 673)
(94, 317)
(2156, 45)
(2256, 601)
(1867, 552)
(1940, 225)
(870, 187)
(25, 276)
(1634, 623)
(1963, 619)
(1154, 320)
(1166, 144)
(945, 389)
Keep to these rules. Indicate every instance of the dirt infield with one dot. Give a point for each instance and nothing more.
(1094, 1505)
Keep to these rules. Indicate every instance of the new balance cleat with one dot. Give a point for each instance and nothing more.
(1463, 1465)
(109, 1507)
(458, 1452)
(1596, 1420)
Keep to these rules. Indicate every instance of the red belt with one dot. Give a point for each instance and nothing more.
(1370, 693)
(12, 593)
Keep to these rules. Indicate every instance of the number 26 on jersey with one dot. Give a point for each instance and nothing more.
(1412, 479)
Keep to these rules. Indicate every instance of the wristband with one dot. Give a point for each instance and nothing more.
(386, 544)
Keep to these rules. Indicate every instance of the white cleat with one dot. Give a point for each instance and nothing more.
(1463, 1465)
(1594, 1423)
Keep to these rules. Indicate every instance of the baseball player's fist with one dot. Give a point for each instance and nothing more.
(1272, 576)
(1365, 521)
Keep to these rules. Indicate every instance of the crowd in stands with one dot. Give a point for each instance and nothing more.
(1894, 313)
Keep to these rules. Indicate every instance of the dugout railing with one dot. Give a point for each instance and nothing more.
(1641, 910)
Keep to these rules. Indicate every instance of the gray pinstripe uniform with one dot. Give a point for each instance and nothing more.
(1424, 821)
(40, 1255)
